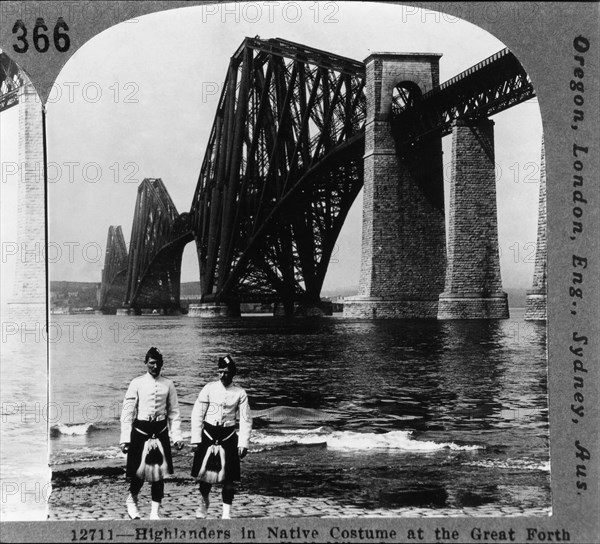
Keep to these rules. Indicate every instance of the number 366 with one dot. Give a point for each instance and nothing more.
(41, 41)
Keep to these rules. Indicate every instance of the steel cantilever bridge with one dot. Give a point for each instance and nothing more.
(282, 168)
(11, 79)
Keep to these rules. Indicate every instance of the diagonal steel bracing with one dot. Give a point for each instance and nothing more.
(489, 87)
(11, 78)
(158, 237)
(282, 168)
(114, 273)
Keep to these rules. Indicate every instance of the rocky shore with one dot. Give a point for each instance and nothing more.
(81, 494)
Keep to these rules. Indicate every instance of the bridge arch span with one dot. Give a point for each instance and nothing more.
(285, 110)
(158, 237)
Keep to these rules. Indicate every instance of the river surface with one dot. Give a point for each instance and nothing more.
(427, 413)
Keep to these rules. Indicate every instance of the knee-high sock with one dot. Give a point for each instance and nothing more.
(228, 493)
(158, 490)
(205, 489)
(135, 485)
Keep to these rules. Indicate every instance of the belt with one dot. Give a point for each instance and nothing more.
(219, 424)
(148, 434)
(217, 442)
(152, 418)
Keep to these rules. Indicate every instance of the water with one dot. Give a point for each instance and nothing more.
(375, 414)
(23, 431)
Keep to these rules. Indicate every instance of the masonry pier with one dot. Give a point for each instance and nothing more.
(29, 295)
(403, 239)
(535, 309)
(473, 283)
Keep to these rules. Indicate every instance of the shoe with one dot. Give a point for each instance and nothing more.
(154, 510)
(132, 506)
(202, 509)
(226, 511)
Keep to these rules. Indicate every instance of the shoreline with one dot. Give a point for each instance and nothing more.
(94, 492)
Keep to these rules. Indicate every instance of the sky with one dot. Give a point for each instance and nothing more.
(139, 99)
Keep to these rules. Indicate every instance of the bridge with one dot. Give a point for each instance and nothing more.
(298, 132)
(11, 80)
(28, 300)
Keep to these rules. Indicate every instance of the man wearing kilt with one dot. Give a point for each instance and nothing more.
(218, 448)
(149, 418)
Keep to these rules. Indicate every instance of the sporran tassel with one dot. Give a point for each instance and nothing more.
(154, 464)
(213, 465)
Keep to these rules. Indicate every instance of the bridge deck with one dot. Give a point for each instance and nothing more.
(487, 88)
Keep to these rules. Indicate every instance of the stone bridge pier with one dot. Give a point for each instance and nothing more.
(28, 304)
(536, 296)
(404, 269)
(403, 239)
(473, 283)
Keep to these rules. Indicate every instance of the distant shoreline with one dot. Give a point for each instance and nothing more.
(70, 298)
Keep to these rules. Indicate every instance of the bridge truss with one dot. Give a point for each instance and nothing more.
(487, 88)
(283, 165)
(11, 78)
(282, 168)
(158, 238)
(114, 273)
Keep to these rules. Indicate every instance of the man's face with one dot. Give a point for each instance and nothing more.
(225, 376)
(154, 367)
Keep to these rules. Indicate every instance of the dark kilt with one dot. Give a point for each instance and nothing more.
(232, 457)
(136, 446)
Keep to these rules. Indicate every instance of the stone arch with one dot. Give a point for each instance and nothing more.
(405, 93)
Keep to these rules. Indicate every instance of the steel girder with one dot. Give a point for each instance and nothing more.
(114, 273)
(11, 78)
(282, 168)
(158, 237)
(489, 87)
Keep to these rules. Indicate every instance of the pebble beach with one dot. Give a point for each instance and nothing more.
(79, 495)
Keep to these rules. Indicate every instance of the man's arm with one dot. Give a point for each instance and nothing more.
(174, 415)
(245, 421)
(198, 413)
(128, 413)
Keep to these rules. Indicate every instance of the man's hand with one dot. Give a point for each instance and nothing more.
(195, 447)
(179, 444)
(243, 452)
(124, 447)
